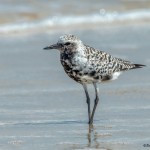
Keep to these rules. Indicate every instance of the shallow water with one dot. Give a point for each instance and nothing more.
(42, 108)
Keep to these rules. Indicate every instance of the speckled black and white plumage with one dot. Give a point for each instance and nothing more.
(87, 65)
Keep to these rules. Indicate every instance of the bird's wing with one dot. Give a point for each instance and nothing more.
(108, 62)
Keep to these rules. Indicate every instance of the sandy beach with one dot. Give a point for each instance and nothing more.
(41, 108)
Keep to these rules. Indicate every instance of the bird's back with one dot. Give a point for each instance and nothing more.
(104, 59)
(106, 67)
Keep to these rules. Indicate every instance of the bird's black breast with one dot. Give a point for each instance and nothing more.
(66, 61)
(69, 66)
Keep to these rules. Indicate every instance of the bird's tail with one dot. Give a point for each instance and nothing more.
(135, 66)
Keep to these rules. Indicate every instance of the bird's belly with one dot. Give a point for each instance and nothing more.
(81, 77)
(87, 74)
(76, 73)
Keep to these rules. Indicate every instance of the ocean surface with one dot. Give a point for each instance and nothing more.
(41, 108)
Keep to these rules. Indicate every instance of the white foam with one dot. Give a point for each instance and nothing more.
(102, 17)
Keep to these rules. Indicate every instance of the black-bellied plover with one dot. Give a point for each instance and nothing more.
(87, 65)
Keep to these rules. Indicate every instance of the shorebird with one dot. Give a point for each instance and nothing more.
(87, 65)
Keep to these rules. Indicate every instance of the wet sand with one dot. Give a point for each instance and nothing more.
(41, 108)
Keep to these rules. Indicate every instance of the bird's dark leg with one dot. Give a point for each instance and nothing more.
(87, 100)
(95, 103)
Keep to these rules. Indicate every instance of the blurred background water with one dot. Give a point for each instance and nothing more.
(40, 107)
(20, 16)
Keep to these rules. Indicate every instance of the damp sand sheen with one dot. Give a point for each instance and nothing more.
(41, 108)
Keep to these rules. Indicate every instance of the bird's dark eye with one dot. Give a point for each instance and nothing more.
(61, 45)
(68, 43)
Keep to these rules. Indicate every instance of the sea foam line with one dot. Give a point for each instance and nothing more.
(102, 17)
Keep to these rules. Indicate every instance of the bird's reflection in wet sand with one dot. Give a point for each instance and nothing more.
(93, 141)
(92, 137)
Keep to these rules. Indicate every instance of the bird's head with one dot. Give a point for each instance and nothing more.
(66, 42)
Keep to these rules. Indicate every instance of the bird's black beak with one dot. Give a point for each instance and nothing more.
(54, 46)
